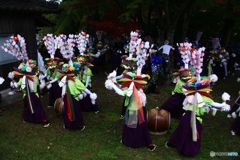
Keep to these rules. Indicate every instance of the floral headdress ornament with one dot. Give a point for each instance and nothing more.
(142, 53)
(66, 45)
(82, 40)
(196, 60)
(50, 42)
(133, 42)
(185, 50)
(16, 46)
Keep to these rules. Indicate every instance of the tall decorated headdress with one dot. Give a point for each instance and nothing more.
(82, 40)
(196, 60)
(142, 54)
(193, 57)
(133, 42)
(196, 89)
(185, 51)
(51, 44)
(67, 45)
(16, 46)
(138, 50)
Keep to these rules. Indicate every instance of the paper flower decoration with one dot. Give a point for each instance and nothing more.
(82, 40)
(133, 42)
(196, 60)
(16, 46)
(50, 43)
(184, 49)
(67, 45)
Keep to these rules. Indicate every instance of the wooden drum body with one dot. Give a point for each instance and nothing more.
(59, 105)
(158, 121)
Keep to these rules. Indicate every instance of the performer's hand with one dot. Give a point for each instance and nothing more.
(226, 107)
(80, 96)
(234, 115)
(84, 94)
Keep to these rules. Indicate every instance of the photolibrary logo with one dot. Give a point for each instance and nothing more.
(212, 154)
(222, 154)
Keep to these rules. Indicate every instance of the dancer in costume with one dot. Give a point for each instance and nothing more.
(135, 130)
(84, 58)
(138, 53)
(72, 93)
(28, 81)
(52, 43)
(187, 137)
(130, 85)
(72, 87)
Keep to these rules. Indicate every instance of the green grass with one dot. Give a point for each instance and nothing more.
(101, 138)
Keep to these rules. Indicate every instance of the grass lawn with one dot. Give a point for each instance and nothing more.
(101, 138)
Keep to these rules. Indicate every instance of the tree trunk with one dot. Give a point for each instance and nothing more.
(170, 34)
(173, 20)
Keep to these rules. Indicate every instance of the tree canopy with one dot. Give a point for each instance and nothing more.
(162, 19)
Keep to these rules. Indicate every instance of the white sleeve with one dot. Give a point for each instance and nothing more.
(87, 91)
(52, 81)
(217, 105)
(87, 81)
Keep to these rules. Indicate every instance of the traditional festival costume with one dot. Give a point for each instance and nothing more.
(52, 43)
(72, 89)
(28, 82)
(84, 58)
(135, 131)
(187, 137)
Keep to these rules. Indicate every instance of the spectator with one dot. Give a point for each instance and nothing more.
(166, 49)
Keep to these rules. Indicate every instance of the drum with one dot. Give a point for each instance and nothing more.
(158, 121)
(58, 105)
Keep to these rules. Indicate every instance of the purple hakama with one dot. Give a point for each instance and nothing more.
(174, 105)
(77, 121)
(136, 137)
(39, 115)
(181, 139)
(87, 105)
(54, 93)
